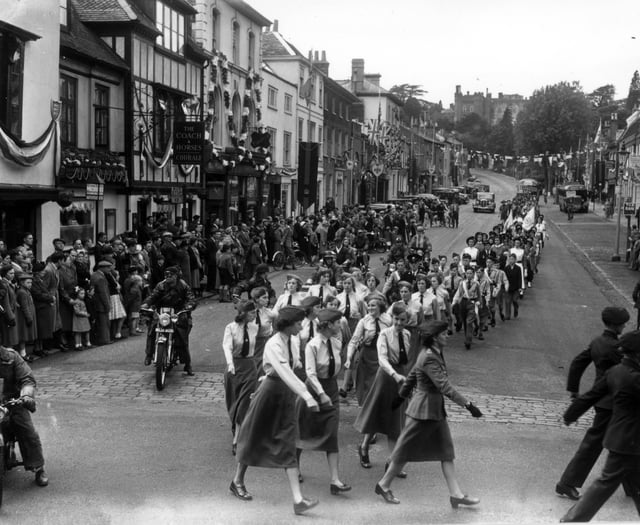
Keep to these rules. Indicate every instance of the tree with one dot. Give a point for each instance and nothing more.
(411, 111)
(500, 138)
(406, 91)
(603, 96)
(473, 131)
(634, 93)
(553, 119)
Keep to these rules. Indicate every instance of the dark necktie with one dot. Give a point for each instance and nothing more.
(290, 353)
(421, 299)
(321, 294)
(347, 307)
(310, 328)
(245, 342)
(258, 318)
(332, 359)
(402, 357)
(290, 300)
(375, 337)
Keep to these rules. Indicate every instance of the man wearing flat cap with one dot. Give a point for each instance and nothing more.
(603, 352)
(621, 384)
(174, 293)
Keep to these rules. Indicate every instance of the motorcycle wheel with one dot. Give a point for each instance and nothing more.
(161, 365)
(2, 467)
(299, 259)
(278, 261)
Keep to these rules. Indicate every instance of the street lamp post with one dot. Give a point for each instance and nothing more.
(621, 154)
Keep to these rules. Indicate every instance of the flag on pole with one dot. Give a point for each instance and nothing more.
(509, 221)
(529, 219)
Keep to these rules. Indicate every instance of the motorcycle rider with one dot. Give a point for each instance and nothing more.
(361, 244)
(174, 293)
(346, 256)
(18, 382)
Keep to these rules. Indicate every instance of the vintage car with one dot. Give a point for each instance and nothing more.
(485, 201)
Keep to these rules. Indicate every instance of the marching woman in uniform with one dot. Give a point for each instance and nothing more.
(426, 435)
(319, 430)
(264, 320)
(267, 436)
(365, 338)
(292, 295)
(351, 306)
(414, 318)
(241, 377)
(379, 414)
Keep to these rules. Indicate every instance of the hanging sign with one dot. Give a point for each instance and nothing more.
(188, 142)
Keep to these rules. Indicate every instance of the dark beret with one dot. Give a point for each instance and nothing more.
(433, 328)
(310, 300)
(246, 306)
(291, 314)
(262, 268)
(328, 316)
(615, 315)
(630, 342)
(172, 269)
(24, 275)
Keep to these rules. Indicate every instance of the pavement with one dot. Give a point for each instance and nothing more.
(117, 451)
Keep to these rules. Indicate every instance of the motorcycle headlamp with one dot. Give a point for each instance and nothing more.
(164, 320)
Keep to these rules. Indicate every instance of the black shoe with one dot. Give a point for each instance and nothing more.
(481, 337)
(485, 328)
(304, 506)
(343, 393)
(63, 347)
(449, 332)
(467, 346)
(464, 500)
(515, 314)
(501, 316)
(188, 370)
(41, 353)
(493, 324)
(364, 458)
(567, 491)
(240, 492)
(458, 328)
(300, 478)
(336, 490)
(147, 360)
(41, 478)
(387, 495)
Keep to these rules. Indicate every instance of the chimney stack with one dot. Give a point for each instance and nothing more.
(357, 74)
(322, 64)
(275, 26)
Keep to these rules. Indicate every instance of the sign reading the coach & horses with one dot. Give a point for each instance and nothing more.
(188, 143)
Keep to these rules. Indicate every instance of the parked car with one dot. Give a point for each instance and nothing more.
(485, 201)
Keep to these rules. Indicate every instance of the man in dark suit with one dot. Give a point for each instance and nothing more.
(101, 303)
(514, 276)
(622, 383)
(604, 353)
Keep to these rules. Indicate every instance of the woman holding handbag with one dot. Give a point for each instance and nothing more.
(426, 435)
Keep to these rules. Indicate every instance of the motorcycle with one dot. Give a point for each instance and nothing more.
(165, 356)
(8, 458)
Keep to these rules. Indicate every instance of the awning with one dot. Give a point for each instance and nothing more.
(23, 34)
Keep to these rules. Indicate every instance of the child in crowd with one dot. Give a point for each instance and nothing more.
(80, 324)
(133, 288)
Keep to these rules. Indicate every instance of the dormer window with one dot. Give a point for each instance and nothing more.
(172, 26)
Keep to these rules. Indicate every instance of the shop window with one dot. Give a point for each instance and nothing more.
(76, 222)
(110, 222)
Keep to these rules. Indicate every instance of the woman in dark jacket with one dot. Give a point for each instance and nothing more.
(426, 435)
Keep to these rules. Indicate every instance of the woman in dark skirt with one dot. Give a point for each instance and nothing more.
(426, 435)
(264, 320)
(241, 377)
(380, 412)
(319, 430)
(365, 338)
(267, 436)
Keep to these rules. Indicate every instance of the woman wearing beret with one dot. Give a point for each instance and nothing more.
(319, 430)
(378, 413)
(267, 436)
(292, 295)
(241, 376)
(426, 435)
